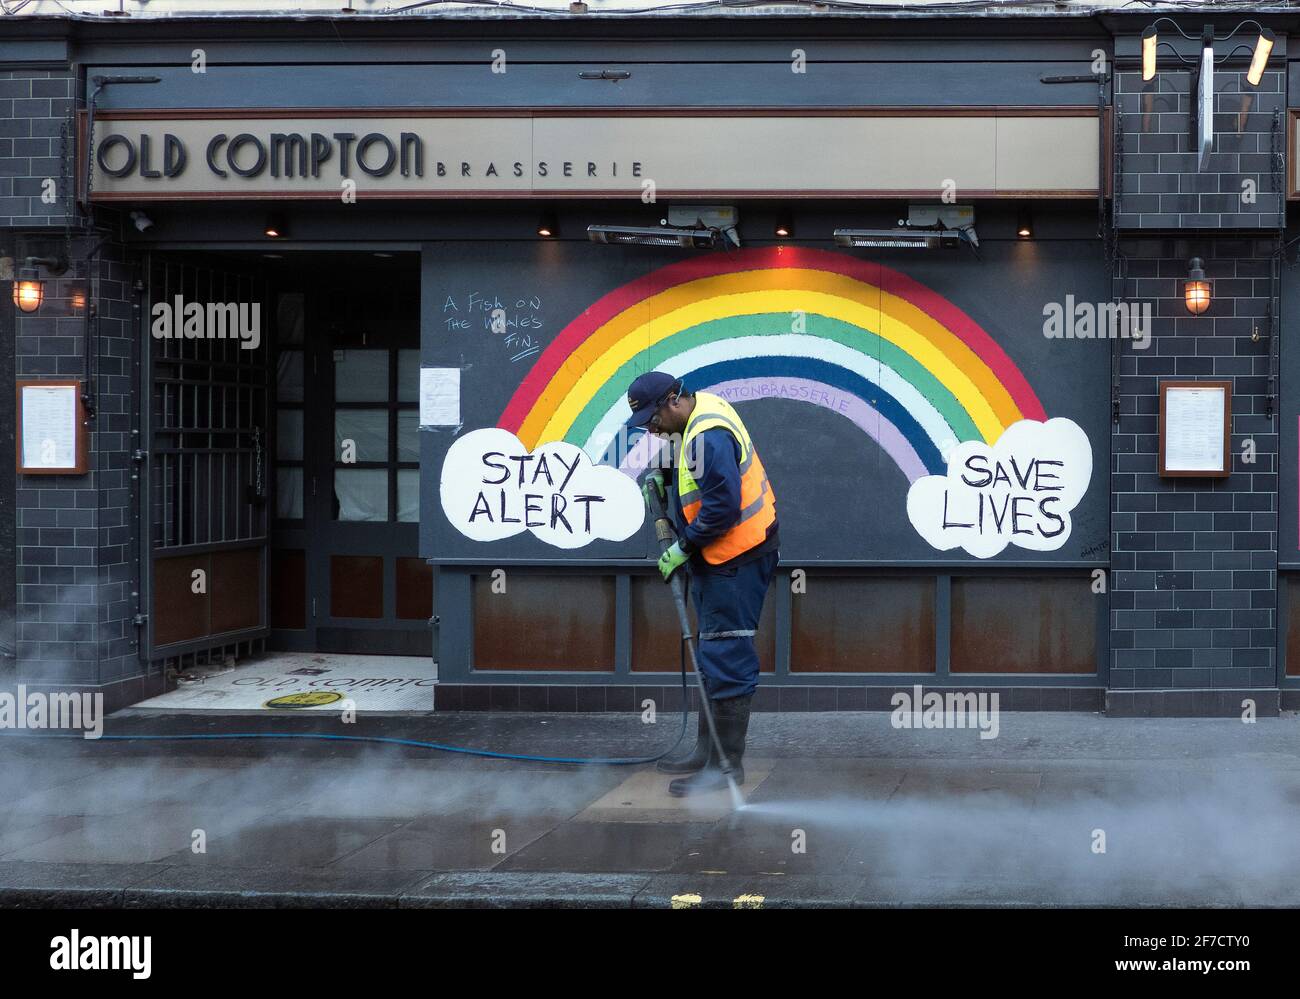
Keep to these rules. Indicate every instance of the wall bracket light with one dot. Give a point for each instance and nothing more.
(1260, 52)
(1197, 293)
(1203, 70)
(29, 289)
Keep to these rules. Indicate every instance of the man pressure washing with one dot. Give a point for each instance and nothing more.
(725, 514)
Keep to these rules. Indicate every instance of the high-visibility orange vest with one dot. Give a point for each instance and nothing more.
(757, 502)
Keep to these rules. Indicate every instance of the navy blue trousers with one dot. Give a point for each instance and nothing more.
(727, 606)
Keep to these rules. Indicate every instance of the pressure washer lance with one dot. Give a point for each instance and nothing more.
(666, 535)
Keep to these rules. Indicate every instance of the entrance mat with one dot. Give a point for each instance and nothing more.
(307, 681)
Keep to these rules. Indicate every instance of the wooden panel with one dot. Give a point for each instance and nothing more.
(179, 614)
(288, 588)
(863, 624)
(235, 588)
(356, 586)
(544, 622)
(656, 637)
(1040, 624)
(414, 589)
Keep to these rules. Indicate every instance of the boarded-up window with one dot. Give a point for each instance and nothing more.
(657, 636)
(1020, 624)
(543, 621)
(863, 624)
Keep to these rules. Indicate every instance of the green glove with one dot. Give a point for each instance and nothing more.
(655, 481)
(671, 560)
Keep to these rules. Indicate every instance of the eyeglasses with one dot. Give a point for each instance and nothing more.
(655, 419)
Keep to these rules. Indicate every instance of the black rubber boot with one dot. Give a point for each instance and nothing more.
(697, 757)
(731, 716)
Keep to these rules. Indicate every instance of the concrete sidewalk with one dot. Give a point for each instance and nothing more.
(1058, 810)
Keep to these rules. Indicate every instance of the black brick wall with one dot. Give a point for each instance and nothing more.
(1158, 185)
(1194, 561)
(35, 108)
(75, 554)
(8, 592)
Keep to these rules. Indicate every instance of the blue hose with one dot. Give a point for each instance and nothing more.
(417, 743)
(596, 761)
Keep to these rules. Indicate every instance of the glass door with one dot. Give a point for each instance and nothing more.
(348, 473)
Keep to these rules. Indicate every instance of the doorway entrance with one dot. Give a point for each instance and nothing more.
(345, 571)
(280, 472)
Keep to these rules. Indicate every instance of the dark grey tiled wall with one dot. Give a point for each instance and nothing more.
(1194, 561)
(1158, 185)
(36, 108)
(74, 553)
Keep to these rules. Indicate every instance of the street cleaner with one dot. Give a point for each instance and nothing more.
(725, 514)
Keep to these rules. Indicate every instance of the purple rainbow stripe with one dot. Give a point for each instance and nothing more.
(863, 415)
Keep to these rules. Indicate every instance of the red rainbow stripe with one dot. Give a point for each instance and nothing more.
(895, 283)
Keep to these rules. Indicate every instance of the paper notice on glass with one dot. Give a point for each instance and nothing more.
(1194, 429)
(49, 426)
(440, 397)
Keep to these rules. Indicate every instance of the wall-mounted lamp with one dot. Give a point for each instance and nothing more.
(548, 227)
(29, 289)
(275, 227)
(1259, 59)
(1149, 42)
(784, 226)
(1196, 289)
(1263, 49)
(1024, 224)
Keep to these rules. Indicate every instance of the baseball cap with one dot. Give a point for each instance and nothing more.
(646, 393)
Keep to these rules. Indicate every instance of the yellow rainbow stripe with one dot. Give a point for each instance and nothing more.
(787, 290)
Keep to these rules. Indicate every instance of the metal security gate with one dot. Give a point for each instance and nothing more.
(204, 461)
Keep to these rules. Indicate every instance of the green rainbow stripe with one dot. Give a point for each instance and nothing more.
(775, 324)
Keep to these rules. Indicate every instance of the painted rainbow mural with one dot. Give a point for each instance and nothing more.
(909, 368)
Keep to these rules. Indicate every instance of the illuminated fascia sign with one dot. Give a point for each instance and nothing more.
(159, 155)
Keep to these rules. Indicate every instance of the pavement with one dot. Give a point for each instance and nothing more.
(843, 809)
